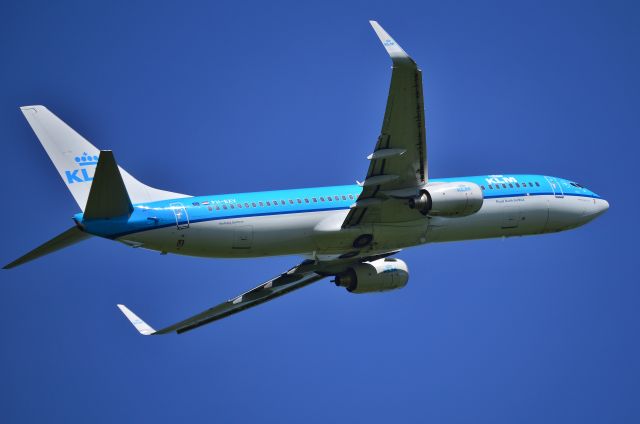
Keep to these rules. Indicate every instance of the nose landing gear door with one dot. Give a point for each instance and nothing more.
(180, 212)
(555, 187)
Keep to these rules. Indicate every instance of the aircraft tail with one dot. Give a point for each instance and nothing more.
(107, 198)
(76, 159)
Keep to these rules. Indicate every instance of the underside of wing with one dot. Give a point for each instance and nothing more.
(398, 164)
(276, 287)
(297, 277)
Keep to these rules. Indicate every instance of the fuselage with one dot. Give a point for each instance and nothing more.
(308, 221)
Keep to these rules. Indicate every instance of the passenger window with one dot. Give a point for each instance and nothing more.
(224, 206)
(290, 201)
(504, 186)
(261, 204)
(344, 197)
(330, 199)
(253, 204)
(239, 205)
(217, 208)
(530, 184)
(315, 200)
(336, 197)
(306, 200)
(246, 205)
(351, 196)
(231, 206)
(268, 203)
(517, 184)
(482, 187)
(282, 202)
(510, 185)
(537, 184)
(322, 199)
(299, 200)
(490, 187)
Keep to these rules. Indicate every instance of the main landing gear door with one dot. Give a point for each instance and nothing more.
(180, 212)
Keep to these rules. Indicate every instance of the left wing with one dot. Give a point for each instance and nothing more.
(291, 280)
(398, 166)
(297, 277)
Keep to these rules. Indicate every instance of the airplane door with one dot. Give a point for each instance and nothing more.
(555, 187)
(180, 212)
(243, 237)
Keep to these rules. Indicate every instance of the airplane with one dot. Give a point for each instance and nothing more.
(351, 232)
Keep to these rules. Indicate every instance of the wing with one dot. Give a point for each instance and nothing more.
(398, 165)
(291, 280)
(297, 277)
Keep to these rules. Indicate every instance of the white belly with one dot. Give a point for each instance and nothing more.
(320, 232)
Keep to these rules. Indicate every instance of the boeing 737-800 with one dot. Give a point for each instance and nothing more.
(350, 232)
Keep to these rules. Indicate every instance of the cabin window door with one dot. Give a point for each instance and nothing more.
(555, 187)
(180, 212)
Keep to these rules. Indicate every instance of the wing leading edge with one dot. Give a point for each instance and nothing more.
(398, 165)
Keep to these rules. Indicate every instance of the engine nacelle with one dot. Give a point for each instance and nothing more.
(453, 199)
(375, 276)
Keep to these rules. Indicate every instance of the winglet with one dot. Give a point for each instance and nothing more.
(395, 51)
(142, 327)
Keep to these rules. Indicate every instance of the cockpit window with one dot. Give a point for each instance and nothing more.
(576, 185)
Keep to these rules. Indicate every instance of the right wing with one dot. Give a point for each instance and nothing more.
(398, 164)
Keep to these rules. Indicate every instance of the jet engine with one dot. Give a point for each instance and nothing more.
(375, 276)
(454, 199)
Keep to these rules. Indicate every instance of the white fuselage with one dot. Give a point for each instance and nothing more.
(318, 233)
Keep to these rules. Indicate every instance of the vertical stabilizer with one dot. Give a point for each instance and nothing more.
(76, 159)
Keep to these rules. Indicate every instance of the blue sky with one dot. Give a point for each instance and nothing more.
(216, 97)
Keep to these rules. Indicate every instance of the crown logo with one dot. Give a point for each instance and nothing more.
(388, 43)
(86, 160)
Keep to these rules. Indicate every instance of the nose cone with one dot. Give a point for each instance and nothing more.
(572, 211)
(600, 206)
(597, 208)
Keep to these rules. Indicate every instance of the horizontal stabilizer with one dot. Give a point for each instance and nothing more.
(108, 196)
(72, 236)
(142, 327)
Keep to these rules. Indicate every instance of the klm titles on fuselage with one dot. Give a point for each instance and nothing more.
(81, 174)
(499, 179)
